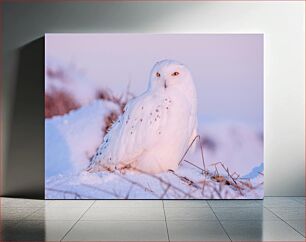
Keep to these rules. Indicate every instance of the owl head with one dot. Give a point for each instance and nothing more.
(168, 74)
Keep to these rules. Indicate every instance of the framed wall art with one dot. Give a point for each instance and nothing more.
(154, 116)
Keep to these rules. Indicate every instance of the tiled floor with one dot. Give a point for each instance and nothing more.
(274, 219)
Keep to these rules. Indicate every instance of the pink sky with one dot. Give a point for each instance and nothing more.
(227, 68)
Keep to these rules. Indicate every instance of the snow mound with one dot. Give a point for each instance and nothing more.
(71, 139)
(186, 183)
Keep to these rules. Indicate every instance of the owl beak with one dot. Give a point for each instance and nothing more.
(165, 84)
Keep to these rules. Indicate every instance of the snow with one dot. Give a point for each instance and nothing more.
(238, 146)
(105, 185)
(254, 172)
(71, 139)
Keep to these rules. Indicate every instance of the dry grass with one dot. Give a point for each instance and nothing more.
(120, 101)
(59, 103)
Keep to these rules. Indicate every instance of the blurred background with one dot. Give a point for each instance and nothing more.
(227, 70)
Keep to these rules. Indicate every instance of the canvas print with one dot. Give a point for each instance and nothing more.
(154, 116)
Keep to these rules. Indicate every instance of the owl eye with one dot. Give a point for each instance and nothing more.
(175, 73)
(157, 74)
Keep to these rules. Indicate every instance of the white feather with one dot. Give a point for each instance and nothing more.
(156, 127)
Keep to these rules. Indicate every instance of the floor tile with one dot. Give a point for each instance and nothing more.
(298, 225)
(235, 203)
(189, 214)
(185, 204)
(244, 214)
(128, 204)
(132, 213)
(11, 213)
(300, 200)
(39, 230)
(281, 202)
(143, 220)
(289, 213)
(69, 203)
(57, 213)
(261, 231)
(118, 231)
(196, 231)
(21, 203)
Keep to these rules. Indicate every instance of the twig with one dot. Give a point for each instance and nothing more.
(185, 179)
(101, 190)
(160, 179)
(202, 155)
(75, 194)
(128, 192)
(138, 185)
(165, 191)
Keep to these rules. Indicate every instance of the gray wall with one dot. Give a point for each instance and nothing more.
(24, 25)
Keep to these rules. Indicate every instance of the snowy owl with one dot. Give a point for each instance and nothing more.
(156, 127)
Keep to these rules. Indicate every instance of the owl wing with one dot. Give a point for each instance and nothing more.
(136, 130)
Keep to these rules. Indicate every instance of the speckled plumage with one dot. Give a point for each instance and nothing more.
(156, 127)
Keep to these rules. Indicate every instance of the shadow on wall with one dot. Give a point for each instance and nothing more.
(24, 170)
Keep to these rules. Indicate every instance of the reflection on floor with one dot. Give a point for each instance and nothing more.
(274, 219)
